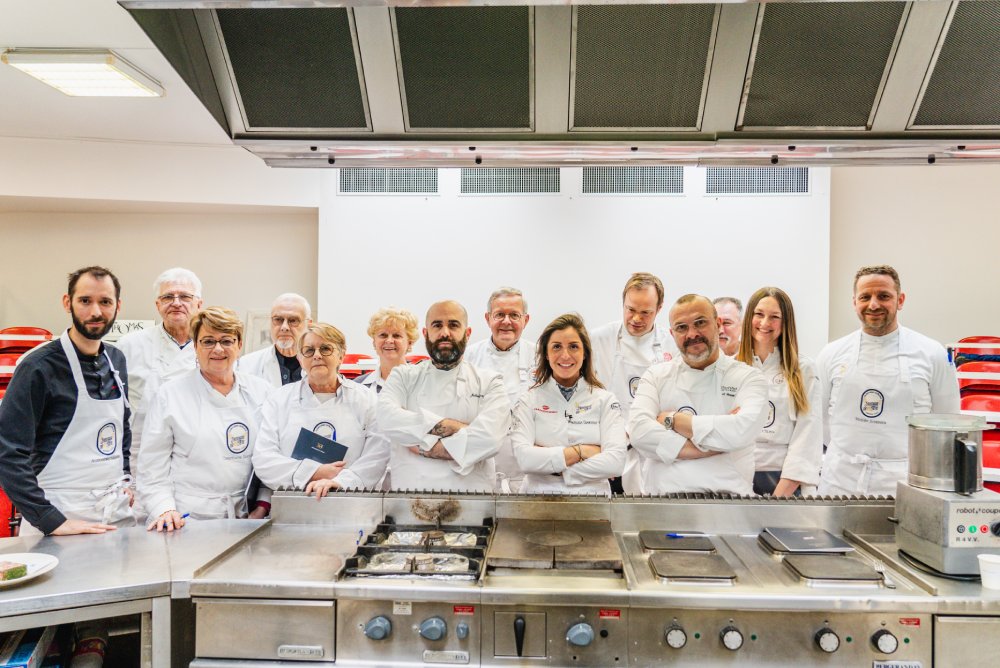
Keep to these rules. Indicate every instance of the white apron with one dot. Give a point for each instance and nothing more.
(210, 482)
(344, 428)
(868, 432)
(421, 473)
(83, 478)
(624, 383)
(772, 444)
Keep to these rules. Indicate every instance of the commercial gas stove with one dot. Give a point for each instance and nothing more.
(430, 580)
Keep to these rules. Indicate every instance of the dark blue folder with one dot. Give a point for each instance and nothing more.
(310, 445)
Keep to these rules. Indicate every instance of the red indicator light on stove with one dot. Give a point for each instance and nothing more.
(607, 613)
(909, 621)
(465, 609)
(984, 529)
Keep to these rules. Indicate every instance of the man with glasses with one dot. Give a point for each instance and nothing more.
(64, 422)
(625, 348)
(163, 352)
(504, 353)
(278, 364)
(695, 419)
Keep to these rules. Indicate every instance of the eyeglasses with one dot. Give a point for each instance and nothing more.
(514, 317)
(171, 297)
(292, 322)
(226, 344)
(324, 350)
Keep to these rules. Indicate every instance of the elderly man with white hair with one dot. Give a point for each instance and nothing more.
(164, 352)
(278, 364)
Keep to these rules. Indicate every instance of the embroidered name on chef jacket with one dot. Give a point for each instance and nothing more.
(779, 379)
(728, 390)
(545, 409)
(107, 440)
(326, 430)
(237, 438)
(770, 415)
(872, 403)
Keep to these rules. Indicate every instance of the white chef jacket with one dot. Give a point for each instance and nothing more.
(177, 416)
(867, 453)
(262, 363)
(416, 397)
(710, 395)
(350, 412)
(153, 358)
(516, 365)
(790, 443)
(591, 416)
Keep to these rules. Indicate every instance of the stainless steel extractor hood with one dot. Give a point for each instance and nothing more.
(312, 83)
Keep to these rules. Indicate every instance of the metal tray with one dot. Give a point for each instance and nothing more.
(356, 565)
(694, 568)
(680, 542)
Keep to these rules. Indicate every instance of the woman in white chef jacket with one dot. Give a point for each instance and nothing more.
(200, 430)
(568, 432)
(393, 331)
(789, 448)
(324, 403)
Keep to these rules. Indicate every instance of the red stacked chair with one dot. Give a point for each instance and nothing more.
(352, 359)
(20, 346)
(979, 385)
(416, 359)
(987, 403)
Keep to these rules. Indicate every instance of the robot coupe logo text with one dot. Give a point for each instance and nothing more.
(237, 437)
(326, 430)
(107, 439)
(872, 403)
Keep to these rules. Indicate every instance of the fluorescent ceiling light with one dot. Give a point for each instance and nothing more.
(86, 73)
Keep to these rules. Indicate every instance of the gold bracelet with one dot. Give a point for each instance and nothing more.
(579, 452)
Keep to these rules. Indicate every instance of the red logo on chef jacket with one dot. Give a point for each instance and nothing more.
(909, 621)
(667, 357)
(545, 409)
(610, 613)
(465, 609)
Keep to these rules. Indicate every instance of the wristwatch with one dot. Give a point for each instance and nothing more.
(668, 421)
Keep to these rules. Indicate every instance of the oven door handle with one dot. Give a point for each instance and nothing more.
(519, 634)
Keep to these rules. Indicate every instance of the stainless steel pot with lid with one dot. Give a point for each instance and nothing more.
(946, 452)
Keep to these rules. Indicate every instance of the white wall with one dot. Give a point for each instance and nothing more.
(939, 226)
(568, 251)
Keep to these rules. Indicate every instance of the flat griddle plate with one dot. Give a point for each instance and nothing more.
(832, 568)
(660, 540)
(554, 544)
(691, 567)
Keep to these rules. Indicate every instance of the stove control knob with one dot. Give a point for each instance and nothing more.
(884, 641)
(462, 630)
(433, 628)
(732, 639)
(378, 628)
(827, 640)
(581, 634)
(995, 528)
(676, 637)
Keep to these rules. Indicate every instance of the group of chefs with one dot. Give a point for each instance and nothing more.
(171, 424)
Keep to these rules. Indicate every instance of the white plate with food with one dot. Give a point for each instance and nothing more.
(20, 567)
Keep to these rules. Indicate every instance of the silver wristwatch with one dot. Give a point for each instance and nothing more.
(668, 421)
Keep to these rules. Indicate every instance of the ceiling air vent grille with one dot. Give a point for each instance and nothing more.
(640, 66)
(756, 180)
(509, 180)
(295, 68)
(465, 67)
(962, 90)
(633, 180)
(819, 64)
(388, 180)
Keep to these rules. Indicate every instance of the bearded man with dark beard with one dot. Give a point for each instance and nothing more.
(445, 419)
(694, 419)
(64, 421)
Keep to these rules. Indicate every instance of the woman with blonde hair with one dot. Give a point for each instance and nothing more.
(568, 433)
(201, 429)
(790, 446)
(393, 331)
(325, 404)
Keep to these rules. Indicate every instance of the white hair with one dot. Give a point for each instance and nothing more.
(506, 292)
(293, 297)
(178, 275)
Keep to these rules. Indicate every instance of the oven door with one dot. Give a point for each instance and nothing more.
(281, 630)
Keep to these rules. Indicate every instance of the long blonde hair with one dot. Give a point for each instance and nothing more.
(787, 341)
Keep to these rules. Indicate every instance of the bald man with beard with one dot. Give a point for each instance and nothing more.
(694, 419)
(445, 419)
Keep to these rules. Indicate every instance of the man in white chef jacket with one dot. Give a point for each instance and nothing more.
(694, 419)
(625, 348)
(514, 359)
(278, 364)
(64, 422)
(163, 352)
(730, 310)
(445, 418)
(871, 380)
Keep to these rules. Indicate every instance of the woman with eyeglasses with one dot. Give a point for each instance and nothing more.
(568, 433)
(789, 448)
(200, 431)
(325, 404)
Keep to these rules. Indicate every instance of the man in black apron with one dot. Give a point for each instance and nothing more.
(64, 422)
